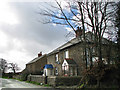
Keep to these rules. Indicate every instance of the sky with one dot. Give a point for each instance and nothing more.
(22, 36)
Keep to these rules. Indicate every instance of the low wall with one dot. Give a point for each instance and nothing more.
(36, 78)
(55, 80)
(17, 77)
(51, 80)
(9, 75)
(66, 81)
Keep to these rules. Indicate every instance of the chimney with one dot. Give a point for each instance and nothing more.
(78, 32)
(39, 54)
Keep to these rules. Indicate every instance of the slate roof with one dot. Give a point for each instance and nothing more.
(36, 59)
(89, 38)
(70, 61)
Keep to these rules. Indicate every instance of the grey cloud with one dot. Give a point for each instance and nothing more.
(34, 35)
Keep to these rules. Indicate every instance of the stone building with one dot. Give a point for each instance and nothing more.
(67, 60)
(36, 66)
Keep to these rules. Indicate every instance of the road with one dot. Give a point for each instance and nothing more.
(12, 83)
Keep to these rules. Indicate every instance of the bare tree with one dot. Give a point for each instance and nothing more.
(14, 67)
(3, 65)
(91, 16)
(117, 24)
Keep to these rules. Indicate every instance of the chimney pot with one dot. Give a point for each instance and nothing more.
(39, 54)
(78, 32)
(77, 28)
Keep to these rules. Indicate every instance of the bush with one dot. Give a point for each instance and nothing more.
(106, 75)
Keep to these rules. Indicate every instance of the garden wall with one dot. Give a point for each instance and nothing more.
(17, 77)
(61, 80)
(55, 80)
(36, 78)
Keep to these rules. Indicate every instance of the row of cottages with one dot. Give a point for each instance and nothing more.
(67, 60)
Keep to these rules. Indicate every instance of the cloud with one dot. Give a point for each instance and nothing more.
(24, 39)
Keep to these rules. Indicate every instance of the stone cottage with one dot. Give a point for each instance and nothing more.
(36, 66)
(67, 60)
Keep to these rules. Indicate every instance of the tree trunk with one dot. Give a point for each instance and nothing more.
(98, 83)
(100, 52)
(109, 53)
(84, 41)
(14, 71)
(91, 62)
(118, 45)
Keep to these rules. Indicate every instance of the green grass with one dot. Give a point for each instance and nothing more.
(36, 83)
(17, 79)
(7, 78)
(32, 82)
(46, 85)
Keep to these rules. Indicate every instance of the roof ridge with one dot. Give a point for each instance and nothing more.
(78, 40)
(35, 59)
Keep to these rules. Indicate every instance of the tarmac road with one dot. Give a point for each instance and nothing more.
(12, 84)
(17, 85)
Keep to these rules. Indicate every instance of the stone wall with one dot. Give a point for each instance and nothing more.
(9, 75)
(36, 78)
(55, 80)
(17, 77)
(51, 80)
(63, 81)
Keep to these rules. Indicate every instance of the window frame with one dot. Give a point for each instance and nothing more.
(56, 57)
(67, 53)
(56, 71)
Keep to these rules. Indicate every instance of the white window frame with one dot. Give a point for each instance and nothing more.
(93, 49)
(56, 71)
(66, 54)
(56, 58)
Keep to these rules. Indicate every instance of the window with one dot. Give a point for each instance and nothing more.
(94, 59)
(93, 49)
(56, 71)
(56, 57)
(88, 56)
(66, 54)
